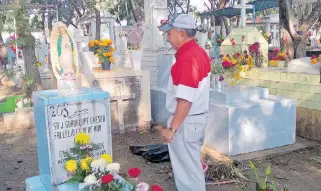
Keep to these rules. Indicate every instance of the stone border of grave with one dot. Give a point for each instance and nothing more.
(22, 118)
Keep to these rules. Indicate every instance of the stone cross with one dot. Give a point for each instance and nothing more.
(275, 31)
(120, 109)
(243, 8)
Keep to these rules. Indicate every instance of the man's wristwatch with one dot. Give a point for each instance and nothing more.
(172, 129)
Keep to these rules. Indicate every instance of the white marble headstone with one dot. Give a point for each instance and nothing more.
(65, 121)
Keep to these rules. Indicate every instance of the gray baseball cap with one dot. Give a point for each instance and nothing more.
(179, 20)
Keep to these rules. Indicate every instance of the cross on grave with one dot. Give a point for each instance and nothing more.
(275, 31)
(120, 109)
(243, 6)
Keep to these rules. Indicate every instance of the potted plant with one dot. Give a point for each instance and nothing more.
(135, 52)
(103, 50)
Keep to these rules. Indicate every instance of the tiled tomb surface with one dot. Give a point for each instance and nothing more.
(305, 88)
(245, 119)
(130, 97)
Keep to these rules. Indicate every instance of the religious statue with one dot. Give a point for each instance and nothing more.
(64, 59)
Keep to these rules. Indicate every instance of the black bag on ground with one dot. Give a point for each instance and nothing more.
(153, 153)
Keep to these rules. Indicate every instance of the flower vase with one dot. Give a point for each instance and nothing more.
(123, 43)
(105, 65)
(217, 83)
(135, 57)
(202, 38)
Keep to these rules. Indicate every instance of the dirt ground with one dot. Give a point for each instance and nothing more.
(300, 170)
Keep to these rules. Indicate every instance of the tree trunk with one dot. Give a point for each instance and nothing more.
(133, 8)
(98, 19)
(30, 63)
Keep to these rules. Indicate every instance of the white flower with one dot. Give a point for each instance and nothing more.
(90, 179)
(98, 165)
(142, 186)
(113, 168)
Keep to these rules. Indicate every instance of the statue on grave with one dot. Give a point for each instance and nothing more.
(64, 59)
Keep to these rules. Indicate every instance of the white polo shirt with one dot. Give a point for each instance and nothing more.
(190, 79)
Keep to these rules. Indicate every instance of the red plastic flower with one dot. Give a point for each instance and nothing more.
(134, 172)
(106, 179)
(156, 188)
(238, 54)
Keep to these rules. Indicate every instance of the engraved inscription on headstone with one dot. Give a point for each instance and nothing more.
(66, 121)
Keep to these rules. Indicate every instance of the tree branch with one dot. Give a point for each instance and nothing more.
(207, 6)
(180, 6)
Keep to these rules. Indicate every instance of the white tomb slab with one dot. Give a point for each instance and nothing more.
(303, 65)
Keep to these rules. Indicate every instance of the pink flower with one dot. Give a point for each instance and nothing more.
(142, 187)
(276, 50)
(221, 78)
(226, 64)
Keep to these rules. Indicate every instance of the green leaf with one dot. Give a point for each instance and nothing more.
(252, 166)
(268, 171)
(76, 179)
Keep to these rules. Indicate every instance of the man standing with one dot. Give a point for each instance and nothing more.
(188, 101)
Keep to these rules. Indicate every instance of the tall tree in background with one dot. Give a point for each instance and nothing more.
(306, 14)
(27, 41)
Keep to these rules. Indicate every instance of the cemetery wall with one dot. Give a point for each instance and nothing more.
(305, 88)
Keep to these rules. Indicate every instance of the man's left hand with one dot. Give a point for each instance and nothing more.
(168, 135)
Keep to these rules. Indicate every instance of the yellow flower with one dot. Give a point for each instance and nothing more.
(107, 157)
(273, 63)
(108, 54)
(234, 61)
(85, 163)
(242, 57)
(82, 139)
(112, 49)
(314, 61)
(249, 57)
(232, 83)
(91, 44)
(71, 166)
(111, 59)
(96, 42)
(225, 58)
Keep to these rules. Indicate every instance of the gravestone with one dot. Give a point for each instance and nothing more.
(59, 119)
(60, 116)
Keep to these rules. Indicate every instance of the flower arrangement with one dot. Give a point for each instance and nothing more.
(99, 174)
(240, 62)
(103, 50)
(315, 59)
(135, 37)
(203, 28)
(219, 39)
(278, 57)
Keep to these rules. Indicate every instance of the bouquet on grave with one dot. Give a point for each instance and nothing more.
(315, 59)
(103, 50)
(99, 174)
(277, 57)
(135, 36)
(238, 64)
